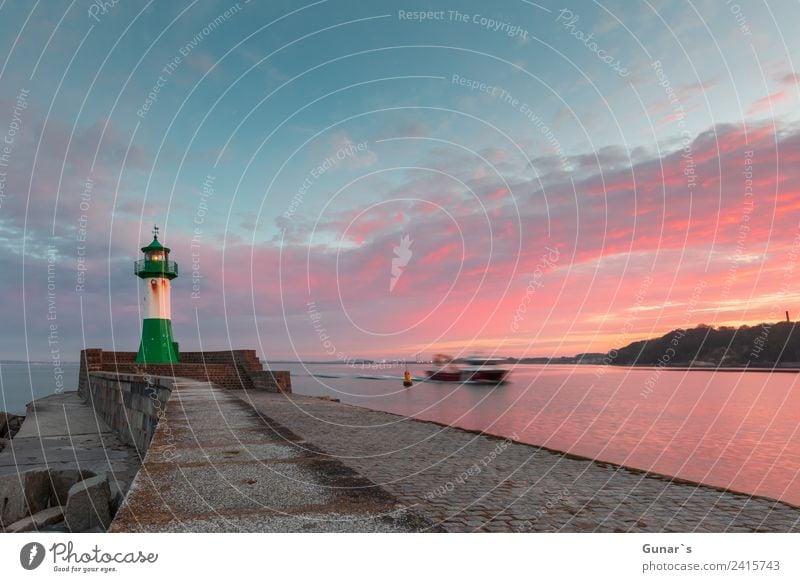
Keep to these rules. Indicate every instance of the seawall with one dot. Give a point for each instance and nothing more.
(130, 404)
(70, 465)
(131, 397)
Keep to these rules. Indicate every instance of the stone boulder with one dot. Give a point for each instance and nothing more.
(36, 522)
(31, 492)
(10, 424)
(23, 494)
(117, 495)
(88, 504)
(12, 499)
(62, 482)
(38, 490)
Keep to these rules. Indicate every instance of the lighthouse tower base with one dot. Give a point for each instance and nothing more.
(158, 346)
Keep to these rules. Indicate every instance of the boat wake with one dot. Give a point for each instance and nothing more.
(417, 379)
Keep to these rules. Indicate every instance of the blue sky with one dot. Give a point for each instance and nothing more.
(258, 98)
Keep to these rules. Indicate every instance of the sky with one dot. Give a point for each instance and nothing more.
(340, 179)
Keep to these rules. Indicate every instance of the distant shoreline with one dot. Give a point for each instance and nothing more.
(690, 368)
(675, 367)
(511, 362)
(35, 363)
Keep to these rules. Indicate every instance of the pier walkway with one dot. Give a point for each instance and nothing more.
(62, 432)
(469, 482)
(214, 465)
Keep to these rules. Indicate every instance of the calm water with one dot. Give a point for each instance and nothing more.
(731, 429)
(21, 383)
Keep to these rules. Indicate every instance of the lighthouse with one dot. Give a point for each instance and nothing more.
(156, 272)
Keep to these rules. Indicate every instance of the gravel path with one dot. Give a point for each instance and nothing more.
(470, 482)
(214, 465)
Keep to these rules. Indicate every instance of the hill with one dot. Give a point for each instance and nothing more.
(764, 344)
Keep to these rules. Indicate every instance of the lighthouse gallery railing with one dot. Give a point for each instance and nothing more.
(155, 267)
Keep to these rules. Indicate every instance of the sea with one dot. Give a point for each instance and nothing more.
(22, 382)
(733, 429)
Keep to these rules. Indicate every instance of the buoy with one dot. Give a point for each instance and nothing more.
(407, 379)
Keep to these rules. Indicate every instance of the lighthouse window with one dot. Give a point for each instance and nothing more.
(156, 256)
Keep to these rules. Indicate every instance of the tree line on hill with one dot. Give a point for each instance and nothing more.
(764, 344)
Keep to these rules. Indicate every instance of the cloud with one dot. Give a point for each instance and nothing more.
(630, 215)
(790, 79)
(766, 104)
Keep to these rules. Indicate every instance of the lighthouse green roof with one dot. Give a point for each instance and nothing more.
(155, 265)
(155, 246)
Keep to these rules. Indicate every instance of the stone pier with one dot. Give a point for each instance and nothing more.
(61, 443)
(216, 465)
(222, 460)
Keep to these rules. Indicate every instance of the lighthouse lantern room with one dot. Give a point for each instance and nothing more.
(156, 271)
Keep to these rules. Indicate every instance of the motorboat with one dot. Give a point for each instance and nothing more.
(477, 369)
(487, 370)
(444, 369)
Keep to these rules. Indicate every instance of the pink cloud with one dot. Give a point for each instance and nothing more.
(766, 103)
(629, 220)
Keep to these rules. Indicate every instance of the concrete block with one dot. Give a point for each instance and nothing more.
(37, 489)
(23, 494)
(10, 424)
(117, 496)
(37, 521)
(62, 481)
(88, 505)
(12, 499)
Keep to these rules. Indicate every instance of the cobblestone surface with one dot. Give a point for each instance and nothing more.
(469, 482)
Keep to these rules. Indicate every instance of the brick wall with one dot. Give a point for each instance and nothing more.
(232, 369)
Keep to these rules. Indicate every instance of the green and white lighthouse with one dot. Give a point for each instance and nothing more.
(156, 272)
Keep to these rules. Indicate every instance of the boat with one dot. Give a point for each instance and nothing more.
(487, 370)
(477, 369)
(445, 370)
